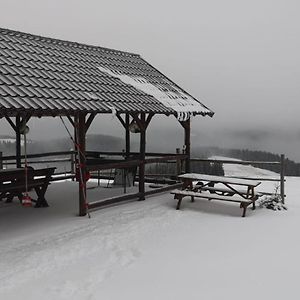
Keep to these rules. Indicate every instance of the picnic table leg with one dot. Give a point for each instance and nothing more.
(254, 198)
(244, 206)
(179, 202)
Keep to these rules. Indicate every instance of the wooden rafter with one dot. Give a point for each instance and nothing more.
(89, 121)
(122, 121)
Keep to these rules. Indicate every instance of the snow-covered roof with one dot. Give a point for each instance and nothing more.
(45, 76)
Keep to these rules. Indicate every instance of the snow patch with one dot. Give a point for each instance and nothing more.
(175, 99)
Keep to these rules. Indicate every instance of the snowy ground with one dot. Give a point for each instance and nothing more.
(148, 250)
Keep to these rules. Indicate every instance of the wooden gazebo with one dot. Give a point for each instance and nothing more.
(42, 76)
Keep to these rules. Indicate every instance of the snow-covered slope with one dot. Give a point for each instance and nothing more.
(148, 250)
(243, 170)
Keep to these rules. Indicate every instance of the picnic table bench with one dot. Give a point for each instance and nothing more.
(208, 187)
(13, 183)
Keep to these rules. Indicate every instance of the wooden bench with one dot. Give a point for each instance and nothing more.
(13, 183)
(244, 203)
(224, 191)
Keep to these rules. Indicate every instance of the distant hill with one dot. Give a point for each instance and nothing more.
(97, 142)
(292, 168)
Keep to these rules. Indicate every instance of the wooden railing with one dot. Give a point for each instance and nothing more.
(166, 158)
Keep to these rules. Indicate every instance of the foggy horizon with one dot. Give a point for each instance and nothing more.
(239, 58)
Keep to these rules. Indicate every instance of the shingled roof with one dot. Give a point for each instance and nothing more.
(48, 77)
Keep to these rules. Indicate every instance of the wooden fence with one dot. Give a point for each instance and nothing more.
(178, 158)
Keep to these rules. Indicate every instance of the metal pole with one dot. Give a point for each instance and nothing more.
(282, 173)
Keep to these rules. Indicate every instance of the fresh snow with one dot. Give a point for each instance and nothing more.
(174, 98)
(148, 250)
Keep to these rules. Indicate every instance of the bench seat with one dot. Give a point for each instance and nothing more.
(244, 203)
(226, 190)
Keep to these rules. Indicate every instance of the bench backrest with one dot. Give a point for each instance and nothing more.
(18, 175)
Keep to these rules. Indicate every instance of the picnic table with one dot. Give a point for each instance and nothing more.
(217, 188)
(13, 183)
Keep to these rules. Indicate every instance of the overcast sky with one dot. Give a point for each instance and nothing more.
(241, 58)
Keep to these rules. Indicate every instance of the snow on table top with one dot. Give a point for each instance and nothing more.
(204, 177)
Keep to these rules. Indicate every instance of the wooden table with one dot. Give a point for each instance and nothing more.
(228, 189)
(13, 184)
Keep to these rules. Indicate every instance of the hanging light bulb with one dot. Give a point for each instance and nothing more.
(24, 129)
(134, 127)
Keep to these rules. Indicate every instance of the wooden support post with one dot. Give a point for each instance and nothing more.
(187, 143)
(81, 132)
(1, 161)
(127, 135)
(18, 142)
(282, 174)
(142, 157)
(178, 162)
(72, 158)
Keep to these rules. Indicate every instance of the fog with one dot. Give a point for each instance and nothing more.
(241, 58)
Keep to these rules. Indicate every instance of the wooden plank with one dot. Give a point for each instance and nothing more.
(164, 158)
(121, 121)
(163, 189)
(233, 198)
(58, 153)
(221, 179)
(255, 178)
(235, 162)
(117, 165)
(113, 200)
(225, 190)
(89, 121)
(11, 123)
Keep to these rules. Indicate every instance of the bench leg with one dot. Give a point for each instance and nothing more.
(192, 199)
(41, 201)
(253, 205)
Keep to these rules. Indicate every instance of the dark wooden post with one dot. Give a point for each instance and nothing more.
(142, 156)
(178, 162)
(282, 174)
(80, 135)
(1, 161)
(18, 142)
(187, 143)
(127, 135)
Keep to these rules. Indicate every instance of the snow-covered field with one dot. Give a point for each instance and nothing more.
(148, 250)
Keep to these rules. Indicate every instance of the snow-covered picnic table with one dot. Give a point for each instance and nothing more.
(217, 188)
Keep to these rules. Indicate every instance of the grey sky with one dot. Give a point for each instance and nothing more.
(241, 58)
